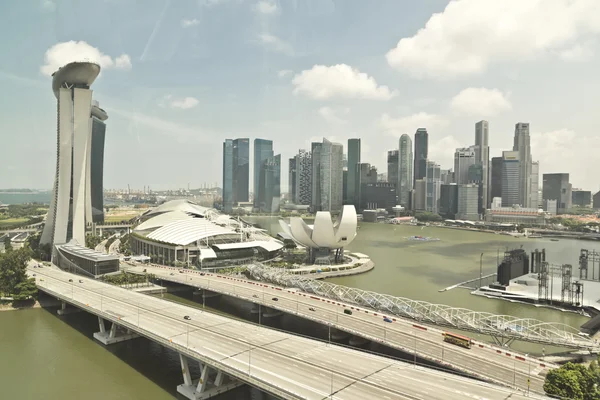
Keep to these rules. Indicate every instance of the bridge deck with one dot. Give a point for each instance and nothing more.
(283, 364)
(491, 363)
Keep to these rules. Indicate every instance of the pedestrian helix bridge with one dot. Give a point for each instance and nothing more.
(504, 329)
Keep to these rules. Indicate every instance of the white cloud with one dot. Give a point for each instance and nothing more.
(409, 124)
(578, 52)
(341, 80)
(332, 115)
(273, 43)
(48, 5)
(480, 102)
(470, 34)
(186, 23)
(442, 150)
(184, 103)
(266, 7)
(66, 52)
(284, 72)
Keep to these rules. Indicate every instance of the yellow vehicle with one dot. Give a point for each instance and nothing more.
(458, 340)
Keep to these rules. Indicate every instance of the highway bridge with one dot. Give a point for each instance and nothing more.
(236, 352)
(491, 363)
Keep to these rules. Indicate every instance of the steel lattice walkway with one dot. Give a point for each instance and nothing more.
(503, 328)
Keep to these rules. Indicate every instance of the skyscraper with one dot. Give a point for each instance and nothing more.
(421, 151)
(463, 159)
(292, 176)
(353, 161)
(510, 179)
(263, 149)
(432, 188)
(331, 176)
(405, 172)
(468, 202)
(449, 200)
(535, 185)
(303, 178)
(71, 204)
(393, 168)
(522, 145)
(315, 200)
(496, 178)
(241, 170)
(269, 185)
(95, 181)
(557, 187)
(483, 157)
(228, 175)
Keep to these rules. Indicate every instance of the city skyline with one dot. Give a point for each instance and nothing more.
(162, 106)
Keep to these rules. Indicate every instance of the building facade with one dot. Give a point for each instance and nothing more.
(405, 170)
(331, 176)
(393, 167)
(510, 179)
(523, 147)
(483, 158)
(315, 201)
(581, 198)
(378, 195)
(496, 178)
(241, 170)
(596, 200)
(352, 185)
(96, 170)
(468, 202)
(463, 159)
(263, 149)
(432, 179)
(449, 200)
(71, 203)
(557, 187)
(420, 196)
(421, 153)
(269, 185)
(292, 174)
(535, 185)
(228, 175)
(303, 190)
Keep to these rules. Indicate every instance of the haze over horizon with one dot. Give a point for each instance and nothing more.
(180, 77)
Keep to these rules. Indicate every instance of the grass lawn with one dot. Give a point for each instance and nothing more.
(12, 221)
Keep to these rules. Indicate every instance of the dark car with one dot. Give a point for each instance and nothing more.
(274, 299)
(255, 296)
(70, 280)
(187, 317)
(33, 274)
(181, 271)
(346, 311)
(202, 274)
(312, 309)
(171, 273)
(80, 281)
(386, 319)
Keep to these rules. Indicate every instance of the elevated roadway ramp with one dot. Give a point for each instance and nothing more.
(483, 361)
(285, 365)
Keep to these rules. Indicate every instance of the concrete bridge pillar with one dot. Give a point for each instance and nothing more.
(115, 334)
(211, 382)
(66, 308)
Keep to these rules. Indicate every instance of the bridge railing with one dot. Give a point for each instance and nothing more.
(505, 326)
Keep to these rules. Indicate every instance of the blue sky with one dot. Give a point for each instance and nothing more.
(179, 77)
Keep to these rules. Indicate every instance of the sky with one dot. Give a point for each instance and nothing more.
(179, 77)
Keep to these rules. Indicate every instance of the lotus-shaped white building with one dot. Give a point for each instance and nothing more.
(325, 235)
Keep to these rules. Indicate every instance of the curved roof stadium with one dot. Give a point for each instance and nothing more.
(186, 224)
(75, 73)
(324, 233)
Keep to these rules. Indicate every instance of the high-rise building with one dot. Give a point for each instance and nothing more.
(95, 180)
(449, 200)
(468, 202)
(496, 178)
(366, 174)
(236, 172)
(405, 170)
(557, 187)
(420, 195)
(303, 178)
(71, 203)
(581, 198)
(534, 200)
(522, 145)
(596, 200)
(228, 175)
(447, 176)
(475, 176)
(263, 149)
(421, 152)
(331, 176)
(269, 185)
(483, 157)
(510, 179)
(393, 168)
(463, 159)
(315, 201)
(241, 170)
(292, 174)
(378, 195)
(352, 195)
(432, 189)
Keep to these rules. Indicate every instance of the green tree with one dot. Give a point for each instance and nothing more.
(574, 381)
(25, 290)
(13, 267)
(7, 244)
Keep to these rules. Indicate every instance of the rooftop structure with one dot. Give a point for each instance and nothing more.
(75, 258)
(183, 231)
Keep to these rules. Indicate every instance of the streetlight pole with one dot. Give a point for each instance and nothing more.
(259, 314)
(415, 336)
